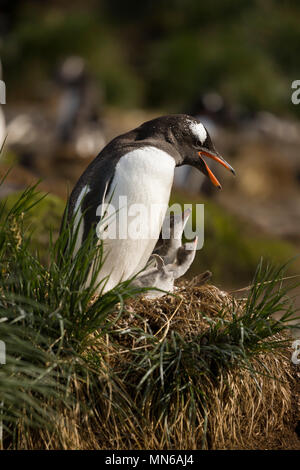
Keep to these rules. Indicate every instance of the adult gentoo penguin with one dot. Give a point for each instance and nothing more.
(140, 166)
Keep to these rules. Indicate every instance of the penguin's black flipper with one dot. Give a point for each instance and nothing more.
(96, 181)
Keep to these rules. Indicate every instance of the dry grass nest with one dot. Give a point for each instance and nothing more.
(238, 410)
(244, 410)
(189, 311)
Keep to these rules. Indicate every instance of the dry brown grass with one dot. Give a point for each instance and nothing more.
(240, 410)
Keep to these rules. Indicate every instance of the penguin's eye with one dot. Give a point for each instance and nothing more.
(198, 132)
(196, 143)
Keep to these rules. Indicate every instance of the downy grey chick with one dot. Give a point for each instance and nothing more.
(158, 276)
(170, 237)
(171, 259)
(162, 276)
(185, 256)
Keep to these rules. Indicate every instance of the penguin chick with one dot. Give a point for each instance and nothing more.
(184, 257)
(163, 276)
(172, 228)
(158, 276)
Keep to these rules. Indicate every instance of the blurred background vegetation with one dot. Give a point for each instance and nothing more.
(230, 62)
(158, 54)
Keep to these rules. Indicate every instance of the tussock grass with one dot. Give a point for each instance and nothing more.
(199, 369)
(202, 373)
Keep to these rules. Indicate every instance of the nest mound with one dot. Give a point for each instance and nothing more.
(245, 410)
(190, 311)
(147, 402)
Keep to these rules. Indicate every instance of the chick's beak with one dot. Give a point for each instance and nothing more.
(218, 159)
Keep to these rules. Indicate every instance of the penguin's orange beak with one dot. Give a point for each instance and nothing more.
(218, 159)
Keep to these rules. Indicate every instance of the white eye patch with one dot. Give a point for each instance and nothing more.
(198, 130)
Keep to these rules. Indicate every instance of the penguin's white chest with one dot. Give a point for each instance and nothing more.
(138, 200)
(144, 176)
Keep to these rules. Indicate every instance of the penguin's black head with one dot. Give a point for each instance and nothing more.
(191, 141)
(194, 144)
